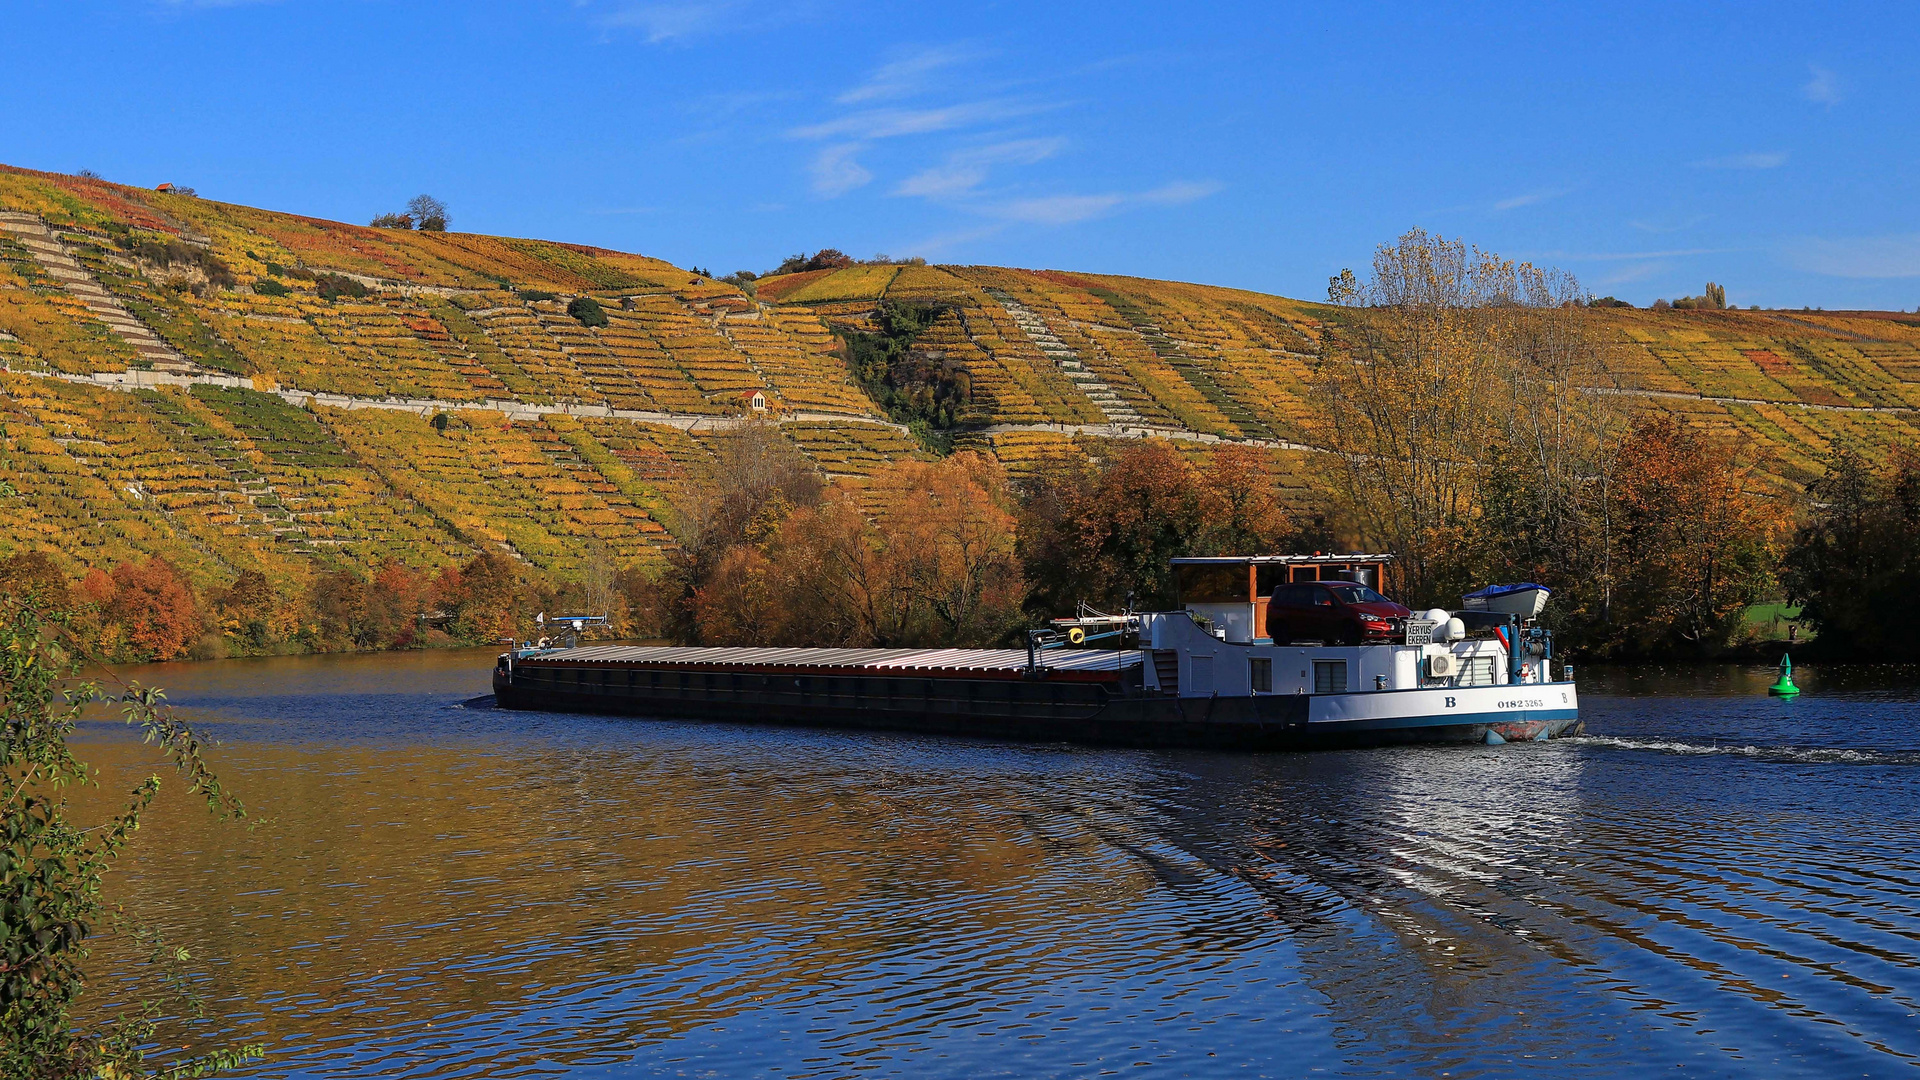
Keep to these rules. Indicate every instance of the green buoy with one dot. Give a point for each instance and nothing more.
(1785, 688)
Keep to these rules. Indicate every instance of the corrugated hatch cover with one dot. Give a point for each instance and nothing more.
(873, 661)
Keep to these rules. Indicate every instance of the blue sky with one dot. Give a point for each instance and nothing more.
(1647, 148)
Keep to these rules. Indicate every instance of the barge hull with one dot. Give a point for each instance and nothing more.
(1108, 708)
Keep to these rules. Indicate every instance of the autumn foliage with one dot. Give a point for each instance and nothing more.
(149, 611)
(1695, 549)
(1103, 532)
(932, 562)
(1467, 401)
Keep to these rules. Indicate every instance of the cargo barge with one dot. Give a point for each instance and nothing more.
(1209, 674)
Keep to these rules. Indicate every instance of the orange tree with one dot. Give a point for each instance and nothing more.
(1695, 547)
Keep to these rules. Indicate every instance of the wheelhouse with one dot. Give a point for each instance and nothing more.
(1232, 591)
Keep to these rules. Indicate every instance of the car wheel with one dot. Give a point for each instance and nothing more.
(1350, 635)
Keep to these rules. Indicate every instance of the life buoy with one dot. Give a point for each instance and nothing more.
(1526, 672)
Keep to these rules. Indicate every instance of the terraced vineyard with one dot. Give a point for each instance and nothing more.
(236, 389)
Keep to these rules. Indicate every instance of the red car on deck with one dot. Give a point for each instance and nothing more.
(1338, 612)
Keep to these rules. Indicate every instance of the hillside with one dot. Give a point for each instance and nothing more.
(236, 389)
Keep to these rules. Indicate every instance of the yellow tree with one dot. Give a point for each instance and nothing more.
(1450, 362)
(950, 529)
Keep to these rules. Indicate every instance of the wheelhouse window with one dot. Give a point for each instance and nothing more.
(1329, 676)
(1260, 674)
(1212, 583)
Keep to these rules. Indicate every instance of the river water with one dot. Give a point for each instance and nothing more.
(1711, 882)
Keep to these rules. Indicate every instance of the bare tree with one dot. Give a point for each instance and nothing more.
(429, 214)
(1452, 383)
(760, 477)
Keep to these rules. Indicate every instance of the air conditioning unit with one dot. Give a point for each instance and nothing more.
(1442, 665)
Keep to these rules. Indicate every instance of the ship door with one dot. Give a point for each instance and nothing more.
(1201, 672)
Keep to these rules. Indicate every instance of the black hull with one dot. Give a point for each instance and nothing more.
(1016, 710)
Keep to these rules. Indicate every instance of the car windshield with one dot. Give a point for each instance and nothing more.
(1356, 594)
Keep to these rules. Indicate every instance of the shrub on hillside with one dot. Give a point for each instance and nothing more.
(266, 286)
(335, 286)
(912, 386)
(587, 310)
(824, 259)
(1714, 299)
(392, 221)
(165, 252)
(533, 295)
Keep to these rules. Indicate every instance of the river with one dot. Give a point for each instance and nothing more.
(1711, 880)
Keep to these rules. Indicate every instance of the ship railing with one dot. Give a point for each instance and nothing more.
(1088, 626)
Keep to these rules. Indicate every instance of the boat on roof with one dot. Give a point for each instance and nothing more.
(1263, 652)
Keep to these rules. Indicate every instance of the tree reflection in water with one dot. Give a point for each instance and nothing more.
(446, 890)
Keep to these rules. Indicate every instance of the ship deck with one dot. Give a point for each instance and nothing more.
(1090, 665)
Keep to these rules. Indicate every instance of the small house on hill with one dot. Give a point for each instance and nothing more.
(754, 400)
(166, 188)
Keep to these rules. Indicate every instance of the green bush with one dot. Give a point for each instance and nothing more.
(587, 310)
(335, 286)
(266, 286)
(536, 294)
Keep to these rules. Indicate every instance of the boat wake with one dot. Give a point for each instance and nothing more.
(484, 701)
(1820, 755)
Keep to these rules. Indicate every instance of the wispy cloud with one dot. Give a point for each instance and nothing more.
(945, 242)
(1624, 256)
(1770, 160)
(1636, 272)
(905, 77)
(966, 169)
(892, 123)
(1179, 192)
(1894, 256)
(1058, 209)
(835, 172)
(959, 176)
(1658, 227)
(1821, 87)
(668, 21)
(1071, 209)
(1529, 199)
(680, 20)
(188, 5)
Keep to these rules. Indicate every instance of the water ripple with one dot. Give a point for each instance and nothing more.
(449, 892)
